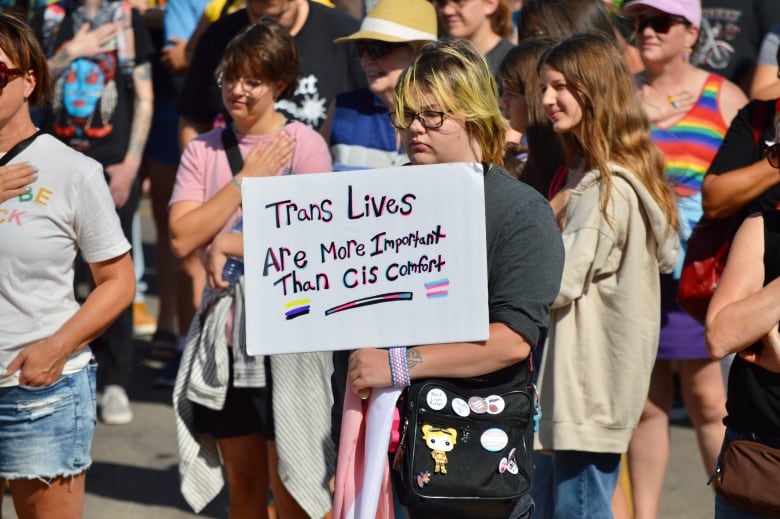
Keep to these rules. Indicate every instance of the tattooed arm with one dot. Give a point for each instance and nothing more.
(123, 174)
(370, 367)
(85, 43)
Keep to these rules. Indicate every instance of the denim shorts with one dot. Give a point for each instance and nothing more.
(46, 432)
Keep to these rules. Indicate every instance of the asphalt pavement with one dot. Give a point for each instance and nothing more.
(134, 472)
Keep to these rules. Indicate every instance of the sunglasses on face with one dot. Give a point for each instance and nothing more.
(660, 23)
(376, 48)
(773, 155)
(441, 4)
(7, 74)
(429, 119)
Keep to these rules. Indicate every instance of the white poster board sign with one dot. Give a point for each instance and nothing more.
(375, 258)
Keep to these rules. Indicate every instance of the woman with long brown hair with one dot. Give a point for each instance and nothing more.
(618, 218)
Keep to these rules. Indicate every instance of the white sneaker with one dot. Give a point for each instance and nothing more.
(115, 406)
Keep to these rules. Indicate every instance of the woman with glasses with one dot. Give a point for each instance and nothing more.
(358, 127)
(236, 425)
(690, 110)
(446, 110)
(742, 318)
(47, 377)
(618, 218)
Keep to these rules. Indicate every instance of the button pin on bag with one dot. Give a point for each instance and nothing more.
(436, 399)
(495, 404)
(494, 439)
(508, 464)
(460, 407)
(478, 404)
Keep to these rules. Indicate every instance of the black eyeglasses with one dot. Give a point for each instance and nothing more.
(376, 48)
(660, 23)
(7, 74)
(429, 119)
(773, 155)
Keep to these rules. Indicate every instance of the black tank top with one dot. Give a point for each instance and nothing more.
(753, 404)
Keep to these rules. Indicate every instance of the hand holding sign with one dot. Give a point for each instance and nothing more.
(368, 367)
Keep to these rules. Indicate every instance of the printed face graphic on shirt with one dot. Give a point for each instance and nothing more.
(85, 98)
(83, 82)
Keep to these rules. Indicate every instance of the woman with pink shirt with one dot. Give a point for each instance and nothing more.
(223, 397)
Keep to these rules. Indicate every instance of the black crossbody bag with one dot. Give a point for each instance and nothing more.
(466, 446)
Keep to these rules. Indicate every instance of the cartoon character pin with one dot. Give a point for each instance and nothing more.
(440, 441)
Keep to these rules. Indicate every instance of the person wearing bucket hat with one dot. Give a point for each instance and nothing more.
(358, 126)
(690, 110)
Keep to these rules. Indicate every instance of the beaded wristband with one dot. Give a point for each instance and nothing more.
(392, 366)
(399, 368)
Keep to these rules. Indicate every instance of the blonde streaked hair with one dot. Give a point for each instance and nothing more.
(614, 128)
(456, 74)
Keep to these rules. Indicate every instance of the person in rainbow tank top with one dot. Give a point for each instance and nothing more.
(690, 110)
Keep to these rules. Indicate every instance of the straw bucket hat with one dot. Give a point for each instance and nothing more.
(397, 21)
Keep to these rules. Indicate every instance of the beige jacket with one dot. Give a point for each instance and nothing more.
(605, 322)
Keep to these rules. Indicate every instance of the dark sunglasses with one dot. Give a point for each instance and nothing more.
(376, 48)
(441, 4)
(773, 155)
(660, 23)
(7, 74)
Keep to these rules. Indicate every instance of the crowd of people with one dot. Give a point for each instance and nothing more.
(605, 129)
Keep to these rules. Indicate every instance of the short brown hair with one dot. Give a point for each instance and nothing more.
(20, 45)
(264, 51)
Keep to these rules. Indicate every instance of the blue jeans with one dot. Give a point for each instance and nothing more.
(542, 489)
(724, 509)
(574, 484)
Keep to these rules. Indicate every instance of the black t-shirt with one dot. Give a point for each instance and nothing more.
(753, 404)
(162, 81)
(328, 69)
(496, 55)
(731, 35)
(740, 149)
(525, 259)
(92, 110)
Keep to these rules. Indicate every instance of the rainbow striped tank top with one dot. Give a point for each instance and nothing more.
(690, 145)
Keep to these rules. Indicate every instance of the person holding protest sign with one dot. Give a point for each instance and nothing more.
(227, 402)
(447, 111)
(619, 221)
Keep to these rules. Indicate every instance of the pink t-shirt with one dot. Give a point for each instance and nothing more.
(204, 168)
